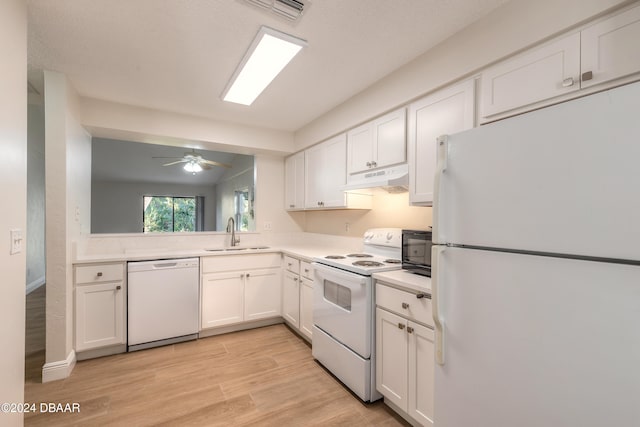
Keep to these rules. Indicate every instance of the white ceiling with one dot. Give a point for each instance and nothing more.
(177, 55)
(114, 160)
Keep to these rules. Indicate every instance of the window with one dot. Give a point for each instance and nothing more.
(167, 214)
(241, 203)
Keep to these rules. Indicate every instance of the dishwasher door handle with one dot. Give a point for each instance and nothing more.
(165, 265)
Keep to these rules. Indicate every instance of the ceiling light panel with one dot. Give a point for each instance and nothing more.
(268, 54)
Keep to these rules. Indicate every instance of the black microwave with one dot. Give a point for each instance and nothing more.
(416, 251)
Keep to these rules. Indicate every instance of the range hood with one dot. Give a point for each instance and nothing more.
(394, 179)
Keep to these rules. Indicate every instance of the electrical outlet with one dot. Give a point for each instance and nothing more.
(267, 225)
(16, 241)
(346, 226)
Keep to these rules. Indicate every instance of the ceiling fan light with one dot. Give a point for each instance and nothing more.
(192, 167)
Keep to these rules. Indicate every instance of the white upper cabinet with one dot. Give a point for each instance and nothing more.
(447, 111)
(294, 182)
(326, 175)
(379, 143)
(601, 56)
(538, 74)
(610, 48)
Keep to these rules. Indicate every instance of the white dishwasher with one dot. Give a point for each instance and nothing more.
(163, 302)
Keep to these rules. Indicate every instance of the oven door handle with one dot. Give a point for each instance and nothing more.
(346, 278)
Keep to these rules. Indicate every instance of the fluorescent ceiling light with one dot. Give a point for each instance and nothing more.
(268, 54)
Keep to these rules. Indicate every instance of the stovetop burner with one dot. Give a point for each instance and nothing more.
(368, 264)
(334, 257)
(360, 256)
(393, 261)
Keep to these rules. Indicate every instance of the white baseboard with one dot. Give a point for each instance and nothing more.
(59, 370)
(35, 284)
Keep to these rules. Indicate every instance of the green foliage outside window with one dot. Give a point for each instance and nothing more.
(169, 214)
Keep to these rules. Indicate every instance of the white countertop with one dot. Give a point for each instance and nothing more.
(304, 252)
(405, 280)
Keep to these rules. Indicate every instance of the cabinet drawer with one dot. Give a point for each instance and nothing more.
(292, 264)
(99, 273)
(215, 264)
(306, 270)
(404, 303)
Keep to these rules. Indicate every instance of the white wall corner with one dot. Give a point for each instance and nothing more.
(59, 370)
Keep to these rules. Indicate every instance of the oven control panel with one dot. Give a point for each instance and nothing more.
(383, 237)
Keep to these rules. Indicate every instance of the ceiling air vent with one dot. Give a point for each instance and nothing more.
(291, 10)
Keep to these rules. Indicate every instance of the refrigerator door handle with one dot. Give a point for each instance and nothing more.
(441, 166)
(437, 252)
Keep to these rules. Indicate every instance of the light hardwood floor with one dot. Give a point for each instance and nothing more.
(263, 376)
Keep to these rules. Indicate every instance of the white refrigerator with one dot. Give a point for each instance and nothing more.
(536, 268)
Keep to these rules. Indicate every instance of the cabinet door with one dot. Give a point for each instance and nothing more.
(360, 148)
(537, 75)
(610, 48)
(391, 357)
(448, 111)
(100, 316)
(314, 176)
(390, 136)
(294, 182)
(222, 299)
(291, 299)
(335, 171)
(262, 294)
(306, 307)
(421, 368)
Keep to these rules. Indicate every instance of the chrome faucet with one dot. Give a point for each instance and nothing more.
(231, 228)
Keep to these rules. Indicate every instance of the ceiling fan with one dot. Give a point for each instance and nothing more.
(193, 162)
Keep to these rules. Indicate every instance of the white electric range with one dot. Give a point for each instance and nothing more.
(343, 307)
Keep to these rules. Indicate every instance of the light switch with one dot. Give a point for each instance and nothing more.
(16, 241)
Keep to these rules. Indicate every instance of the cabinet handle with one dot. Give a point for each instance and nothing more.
(295, 279)
(306, 270)
(421, 295)
(118, 287)
(368, 164)
(587, 76)
(292, 206)
(248, 275)
(405, 305)
(409, 330)
(568, 82)
(400, 325)
(374, 164)
(99, 274)
(242, 276)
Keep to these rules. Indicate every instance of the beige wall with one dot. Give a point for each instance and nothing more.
(13, 182)
(68, 205)
(510, 28)
(389, 210)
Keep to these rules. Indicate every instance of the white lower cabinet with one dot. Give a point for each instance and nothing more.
(222, 299)
(100, 301)
(306, 307)
(404, 358)
(291, 299)
(234, 293)
(297, 295)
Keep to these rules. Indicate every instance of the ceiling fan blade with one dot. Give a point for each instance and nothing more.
(205, 166)
(212, 163)
(174, 157)
(175, 163)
